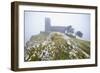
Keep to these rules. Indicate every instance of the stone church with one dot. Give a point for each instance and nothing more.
(49, 28)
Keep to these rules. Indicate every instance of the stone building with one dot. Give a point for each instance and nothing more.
(49, 28)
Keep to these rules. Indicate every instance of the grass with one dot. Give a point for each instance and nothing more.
(56, 46)
(84, 45)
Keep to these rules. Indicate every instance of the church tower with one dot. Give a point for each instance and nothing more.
(47, 24)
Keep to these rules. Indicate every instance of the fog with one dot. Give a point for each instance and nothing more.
(34, 22)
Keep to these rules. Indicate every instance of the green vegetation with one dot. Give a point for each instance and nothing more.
(56, 46)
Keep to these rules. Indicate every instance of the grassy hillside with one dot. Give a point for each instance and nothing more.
(56, 46)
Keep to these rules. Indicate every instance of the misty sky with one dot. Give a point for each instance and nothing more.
(35, 22)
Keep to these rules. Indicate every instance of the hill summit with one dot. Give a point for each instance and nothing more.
(56, 46)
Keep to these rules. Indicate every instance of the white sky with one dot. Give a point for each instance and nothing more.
(35, 22)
